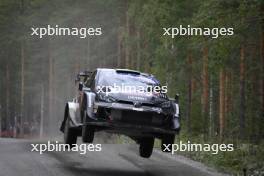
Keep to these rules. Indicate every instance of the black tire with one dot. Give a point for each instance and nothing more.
(87, 131)
(166, 140)
(146, 147)
(82, 109)
(70, 136)
(87, 134)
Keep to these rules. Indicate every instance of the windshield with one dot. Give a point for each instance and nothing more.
(135, 81)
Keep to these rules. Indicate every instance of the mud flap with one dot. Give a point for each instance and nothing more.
(176, 123)
(64, 119)
(90, 104)
(62, 126)
(71, 111)
(176, 117)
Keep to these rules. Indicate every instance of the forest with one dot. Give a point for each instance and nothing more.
(220, 80)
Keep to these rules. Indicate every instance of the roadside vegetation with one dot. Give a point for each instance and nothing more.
(220, 80)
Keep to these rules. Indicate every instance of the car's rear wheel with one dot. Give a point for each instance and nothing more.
(70, 136)
(166, 142)
(87, 132)
(146, 147)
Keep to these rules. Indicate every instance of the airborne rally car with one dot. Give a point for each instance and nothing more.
(123, 102)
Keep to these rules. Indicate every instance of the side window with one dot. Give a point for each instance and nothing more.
(90, 82)
(93, 82)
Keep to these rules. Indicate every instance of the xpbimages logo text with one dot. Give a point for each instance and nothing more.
(59, 147)
(122, 88)
(197, 31)
(56, 30)
(196, 147)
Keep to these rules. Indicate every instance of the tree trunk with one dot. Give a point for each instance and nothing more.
(189, 104)
(41, 112)
(261, 122)
(138, 49)
(227, 95)
(77, 66)
(88, 55)
(221, 103)
(22, 118)
(119, 48)
(51, 72)
(211, 109)
(22, 63)
(205, 89)
(242, 94)
(127, 51)
(7, 96)
(146, 59)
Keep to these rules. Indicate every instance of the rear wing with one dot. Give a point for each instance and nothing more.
(127, 71)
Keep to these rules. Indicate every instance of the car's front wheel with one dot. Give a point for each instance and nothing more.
(70, 136)
(146, 147)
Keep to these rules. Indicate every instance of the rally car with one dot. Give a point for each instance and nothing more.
(124, 102)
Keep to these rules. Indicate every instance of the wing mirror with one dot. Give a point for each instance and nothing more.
(83, 88)
(177, 98)
(80, 88)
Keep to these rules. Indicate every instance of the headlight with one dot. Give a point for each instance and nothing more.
(166, 104)
(95, 108)
(106, 98)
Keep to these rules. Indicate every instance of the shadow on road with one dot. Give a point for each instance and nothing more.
(104, 172)
(78, 168)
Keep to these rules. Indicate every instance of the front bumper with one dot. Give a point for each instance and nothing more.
(131, 129)
(130, 120)
(122, 106)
